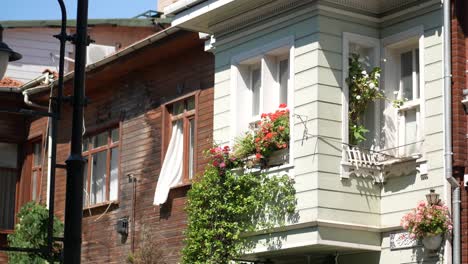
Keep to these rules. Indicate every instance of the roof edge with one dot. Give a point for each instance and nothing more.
(128, 22)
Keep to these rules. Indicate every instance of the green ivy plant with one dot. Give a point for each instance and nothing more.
(31, 232)
(225, 204)
(364, 89)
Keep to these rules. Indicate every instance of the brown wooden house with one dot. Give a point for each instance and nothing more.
(136, 99)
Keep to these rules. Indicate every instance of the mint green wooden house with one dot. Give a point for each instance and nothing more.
(350, 199)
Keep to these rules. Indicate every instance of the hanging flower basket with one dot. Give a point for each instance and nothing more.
(432, 242)
(428, 222)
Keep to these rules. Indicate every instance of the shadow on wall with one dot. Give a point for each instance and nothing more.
(397, 184)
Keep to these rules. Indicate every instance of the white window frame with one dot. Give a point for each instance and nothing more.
(399, 44)
(367, 42)
(253, 56)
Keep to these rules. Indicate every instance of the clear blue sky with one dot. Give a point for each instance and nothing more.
(49, 9)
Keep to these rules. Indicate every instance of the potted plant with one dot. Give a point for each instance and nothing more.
(428, 222)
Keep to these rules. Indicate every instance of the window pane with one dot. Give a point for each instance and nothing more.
(256, 84)
(115, 135)
(191, 103)
(416, 96)
(8, 155)
(283, 80)
(34, 185)
(100, 140)
(191, 147)
(98, 178)
(85, 144)
(411, 131)
(7, 198)
(407, 75)
(37, 154)
(178, 108)
(114, 174)
(86, 195)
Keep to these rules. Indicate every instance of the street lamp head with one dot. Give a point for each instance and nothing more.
(432, 197)
(6, 55)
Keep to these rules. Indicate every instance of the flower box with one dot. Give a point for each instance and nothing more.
(278, 158)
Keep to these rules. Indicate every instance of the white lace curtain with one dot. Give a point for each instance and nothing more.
(171, 170)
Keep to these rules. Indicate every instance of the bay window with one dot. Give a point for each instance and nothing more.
(101, 170)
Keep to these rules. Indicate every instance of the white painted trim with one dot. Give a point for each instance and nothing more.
(348, 245)
(235, 73)
(195, 11)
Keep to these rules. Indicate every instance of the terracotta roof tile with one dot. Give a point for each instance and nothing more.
(8, 82)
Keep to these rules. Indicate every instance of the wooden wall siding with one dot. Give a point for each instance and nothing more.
(134, 99)
(3, 255)
(12, 129)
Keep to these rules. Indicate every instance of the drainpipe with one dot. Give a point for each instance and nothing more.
(448, 135)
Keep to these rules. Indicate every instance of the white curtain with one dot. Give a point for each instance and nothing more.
(171, 170)
(114, 175)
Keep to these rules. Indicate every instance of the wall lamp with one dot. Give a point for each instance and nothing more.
(432, 197)
(6, 55)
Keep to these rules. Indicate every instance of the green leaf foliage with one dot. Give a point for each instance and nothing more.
(31, 232)
(224, 205)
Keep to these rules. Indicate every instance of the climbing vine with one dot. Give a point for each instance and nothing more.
(364, 89)
(229, 201)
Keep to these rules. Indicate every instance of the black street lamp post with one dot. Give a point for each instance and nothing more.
(75, 162)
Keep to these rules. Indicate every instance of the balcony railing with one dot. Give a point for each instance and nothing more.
(363, 162)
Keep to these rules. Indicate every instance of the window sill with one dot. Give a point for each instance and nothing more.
(6, 231)
(101, 205)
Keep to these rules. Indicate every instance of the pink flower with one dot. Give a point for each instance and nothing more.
(222, 165)
(421, 204)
